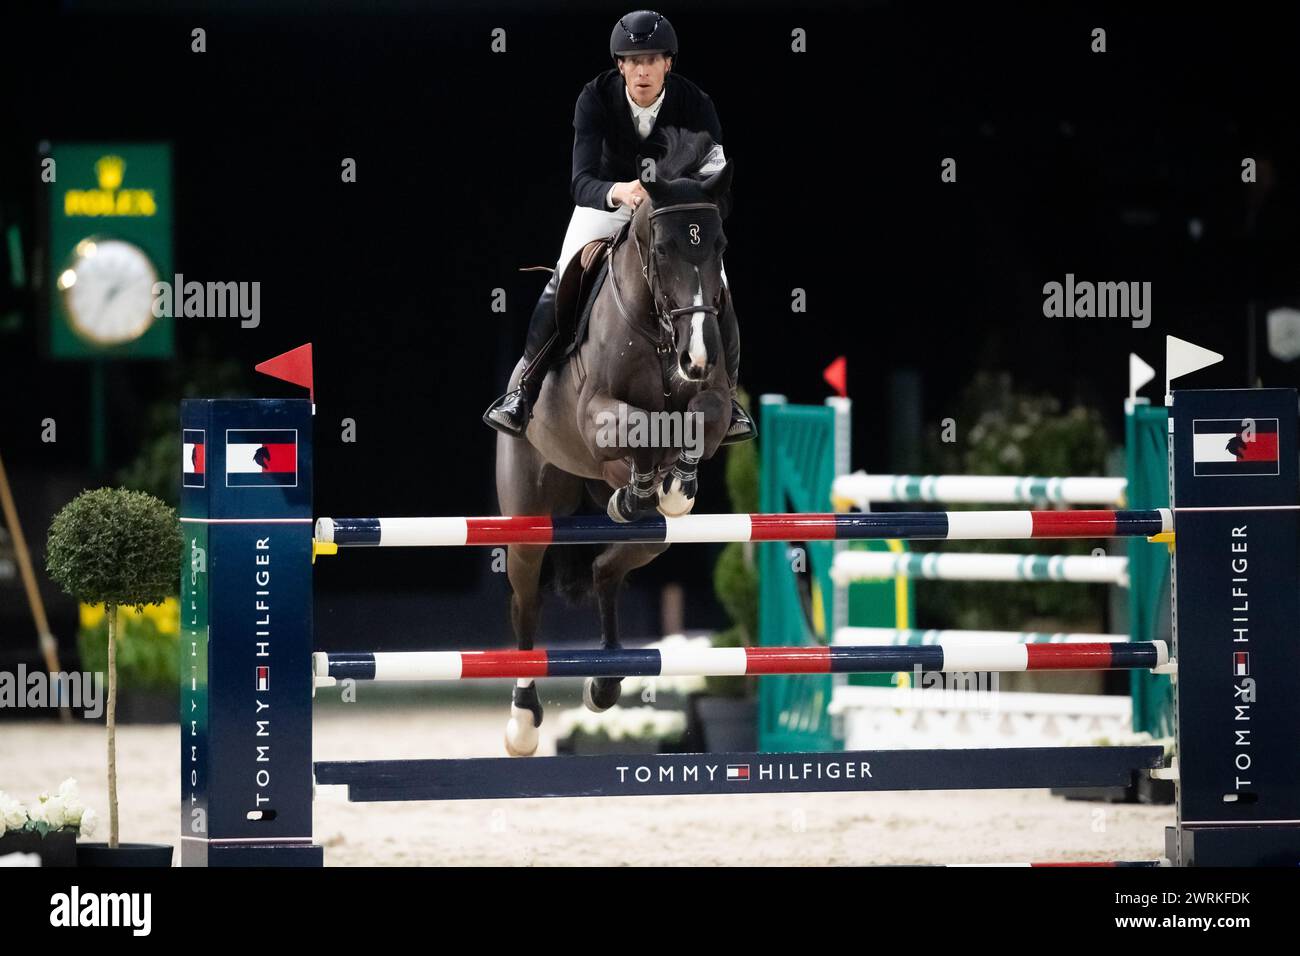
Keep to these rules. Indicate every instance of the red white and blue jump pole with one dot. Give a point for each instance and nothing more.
(599, 529)
(731, 661)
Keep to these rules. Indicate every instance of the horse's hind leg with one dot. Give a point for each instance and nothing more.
(610, 568)
(524, 568)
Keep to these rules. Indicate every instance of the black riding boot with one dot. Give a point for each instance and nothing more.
(510, 413)
(742, 427)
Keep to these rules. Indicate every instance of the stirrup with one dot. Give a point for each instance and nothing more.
(742, 427)
(510, 413)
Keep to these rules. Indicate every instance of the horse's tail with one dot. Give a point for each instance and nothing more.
(571, 571)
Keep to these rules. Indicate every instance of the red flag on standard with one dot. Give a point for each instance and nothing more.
(836, 375)
(293, 366)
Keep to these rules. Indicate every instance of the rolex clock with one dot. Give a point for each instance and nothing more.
(109, 241)
(107, 291)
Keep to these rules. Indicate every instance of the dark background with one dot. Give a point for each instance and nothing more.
(1123, 166)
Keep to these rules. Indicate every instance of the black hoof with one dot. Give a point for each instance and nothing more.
(625, 507)
(602, 693)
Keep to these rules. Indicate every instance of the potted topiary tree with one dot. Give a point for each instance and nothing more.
(118, 548)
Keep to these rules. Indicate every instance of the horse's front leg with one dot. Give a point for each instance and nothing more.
(704, 425)
(613, 435)
(677, 493)
(636, 499)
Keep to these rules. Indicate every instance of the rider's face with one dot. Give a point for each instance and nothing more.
(644, 75)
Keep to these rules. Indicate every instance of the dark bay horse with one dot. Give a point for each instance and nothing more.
(652, 347)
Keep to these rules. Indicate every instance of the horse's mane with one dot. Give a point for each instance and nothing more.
(680, 152)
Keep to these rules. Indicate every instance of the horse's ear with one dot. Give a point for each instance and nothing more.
(718, 184)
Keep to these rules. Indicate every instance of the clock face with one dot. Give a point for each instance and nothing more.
(108, 291)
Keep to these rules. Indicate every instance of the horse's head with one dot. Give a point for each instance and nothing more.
(680, 231)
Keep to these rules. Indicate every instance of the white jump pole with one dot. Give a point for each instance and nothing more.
(862, 490)
(853, 566)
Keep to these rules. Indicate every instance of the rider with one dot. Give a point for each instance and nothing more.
(616, 112)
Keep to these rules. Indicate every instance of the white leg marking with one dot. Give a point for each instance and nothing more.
(521, 732)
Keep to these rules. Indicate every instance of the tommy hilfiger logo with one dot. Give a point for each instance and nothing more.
(262, 458)
(1235, 446)
(193, 458)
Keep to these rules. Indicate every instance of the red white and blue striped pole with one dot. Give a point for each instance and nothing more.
(599, 529)
(730, 661)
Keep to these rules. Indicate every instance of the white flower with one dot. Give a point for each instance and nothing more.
(72, 813)
(619, 723)
(89, 820)
(70, 799)
(13, 815)
(16, 817)
(37, 813)
(55, 813)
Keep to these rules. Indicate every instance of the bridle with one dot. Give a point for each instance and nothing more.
(664, 338)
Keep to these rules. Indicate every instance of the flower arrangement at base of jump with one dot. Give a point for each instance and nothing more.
(51, 813)
(624, 723)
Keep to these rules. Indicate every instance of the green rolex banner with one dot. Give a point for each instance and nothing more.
(110, 240)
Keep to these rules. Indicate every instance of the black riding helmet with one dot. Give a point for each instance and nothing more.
(643, 31)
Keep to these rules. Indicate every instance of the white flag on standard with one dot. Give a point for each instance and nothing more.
(1139, 373)
(1183, 358)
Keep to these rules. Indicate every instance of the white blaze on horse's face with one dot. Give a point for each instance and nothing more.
(699, 353)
